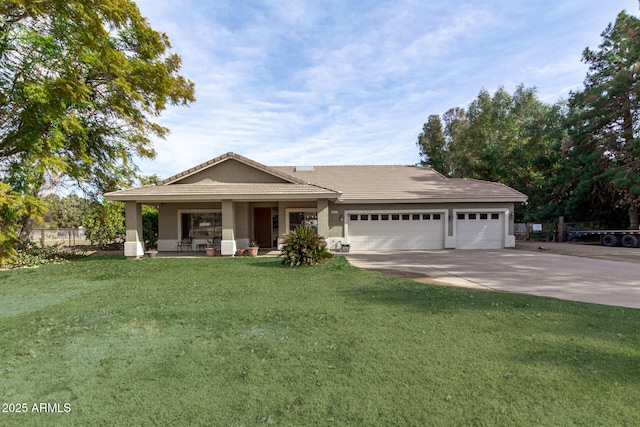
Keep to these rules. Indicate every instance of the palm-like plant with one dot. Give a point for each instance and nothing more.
(303, 246)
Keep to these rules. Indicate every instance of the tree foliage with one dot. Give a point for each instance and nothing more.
(65, 212)
(105, 223)
(604, 121)
(511, 139)
(433, 146)
(9, 210)
(14, 206)
(81, 83)
(580, 160)
(150, 226)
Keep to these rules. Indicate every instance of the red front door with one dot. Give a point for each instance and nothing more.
(262, 226)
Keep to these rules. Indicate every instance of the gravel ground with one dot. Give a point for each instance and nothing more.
(583, 249)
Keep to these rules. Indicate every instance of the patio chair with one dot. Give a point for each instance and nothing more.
(185, 243)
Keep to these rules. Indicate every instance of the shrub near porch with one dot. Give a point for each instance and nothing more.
(303, 246)
(246, 341)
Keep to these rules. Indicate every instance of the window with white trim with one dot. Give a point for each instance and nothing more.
(304, 218)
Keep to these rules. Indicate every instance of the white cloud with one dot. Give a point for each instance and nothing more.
(338, 82)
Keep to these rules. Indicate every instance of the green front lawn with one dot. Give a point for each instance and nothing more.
(248, 342)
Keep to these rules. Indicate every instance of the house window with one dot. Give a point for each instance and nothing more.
(473, 216)
(405, 217)
(484, 216)
(306, 219)
(353, 217)
(436, 217)
(202, 225)
(416, 217)
(374, 217)
(495, 216)
(395, 217)
(364, 217)
(426, 216)
(461, 216)
(385, 217)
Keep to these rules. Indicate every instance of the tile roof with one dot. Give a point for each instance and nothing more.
(399, 182)
(367, 183)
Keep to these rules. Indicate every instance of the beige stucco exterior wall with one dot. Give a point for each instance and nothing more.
(230, 171)
(169, 219)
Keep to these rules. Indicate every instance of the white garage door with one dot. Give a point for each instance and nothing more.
(395, 230)
(479, 230)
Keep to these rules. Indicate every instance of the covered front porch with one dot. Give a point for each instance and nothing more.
(186, 228)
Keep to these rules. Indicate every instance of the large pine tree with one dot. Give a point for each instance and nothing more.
(605, 119)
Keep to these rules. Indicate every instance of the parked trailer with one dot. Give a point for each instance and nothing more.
(626, 238)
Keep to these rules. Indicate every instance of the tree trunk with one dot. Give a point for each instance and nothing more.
(26, 224)
(633, 215)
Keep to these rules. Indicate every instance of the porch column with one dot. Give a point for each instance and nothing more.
(282, 223)
(134, 244)
(228, 244)
(509, 235)
(323, 218)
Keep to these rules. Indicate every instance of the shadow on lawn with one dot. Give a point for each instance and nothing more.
(102, 258)
(621, 366)
(597, 340)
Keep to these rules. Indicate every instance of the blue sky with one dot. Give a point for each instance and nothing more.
(331, 82)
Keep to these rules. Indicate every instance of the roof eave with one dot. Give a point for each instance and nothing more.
(434, 200)
(190, 198)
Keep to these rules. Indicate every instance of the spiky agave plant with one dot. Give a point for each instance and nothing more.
(303, 246)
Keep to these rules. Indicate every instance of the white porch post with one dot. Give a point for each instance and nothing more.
(134, 244)
(323, 217)
(509, 235)
(228, 244)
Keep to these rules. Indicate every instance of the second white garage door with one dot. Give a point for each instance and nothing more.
(395, 230)
(479, 230)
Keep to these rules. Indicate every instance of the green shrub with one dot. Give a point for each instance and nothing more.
(302, 246)
(31, 255)
(14, 206)
(150, 226)
(105, 223)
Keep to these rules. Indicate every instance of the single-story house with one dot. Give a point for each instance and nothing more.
(233, 201)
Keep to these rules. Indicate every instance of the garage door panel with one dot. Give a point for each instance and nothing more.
(475, 233)
(395, 234)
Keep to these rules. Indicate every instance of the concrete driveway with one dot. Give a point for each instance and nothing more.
(560, 276)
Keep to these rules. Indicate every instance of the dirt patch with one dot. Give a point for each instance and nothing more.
(583, 249)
